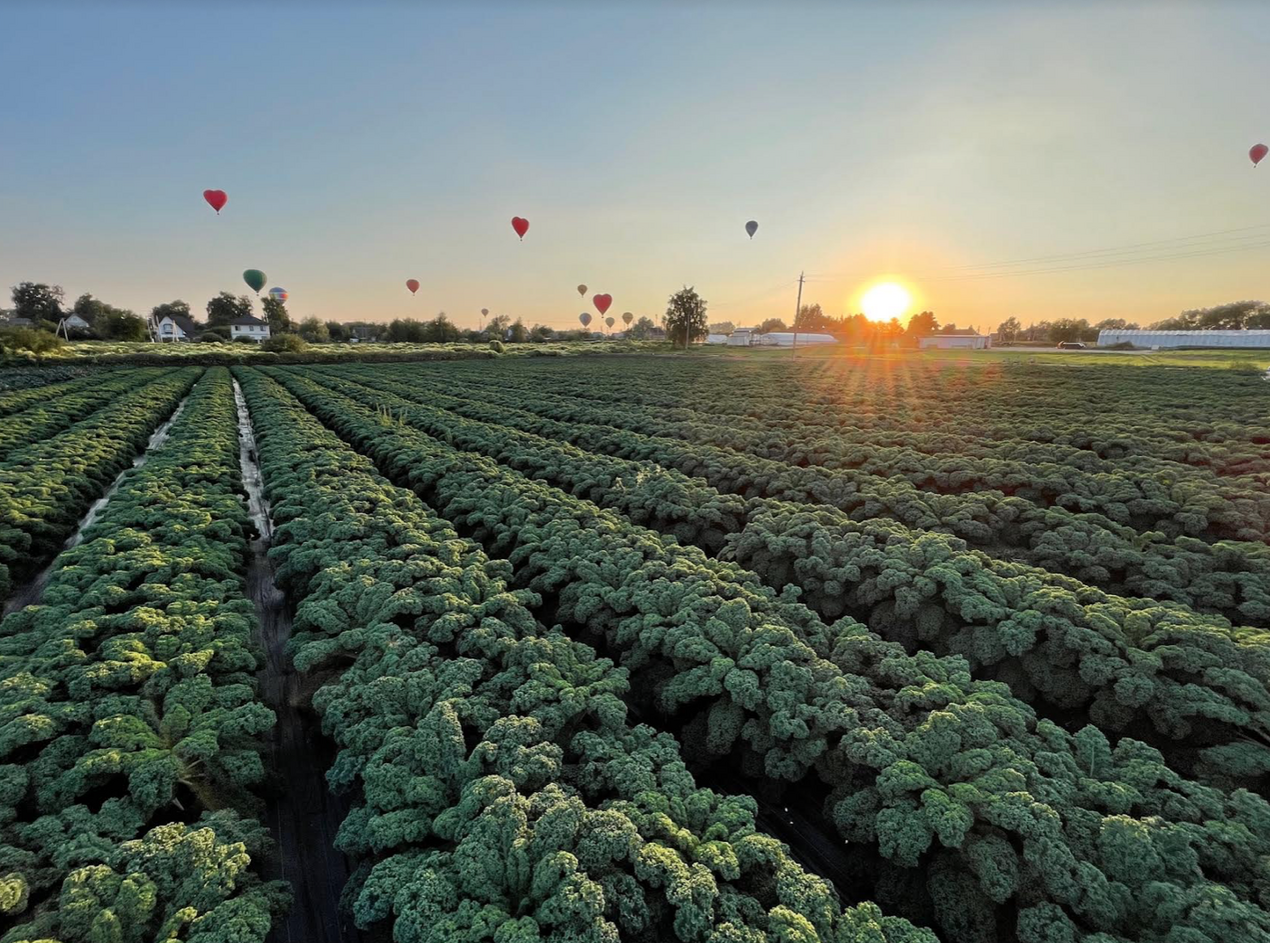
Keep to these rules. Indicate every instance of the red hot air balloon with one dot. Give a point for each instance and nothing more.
(521, 226)
(602, 302)
(216, 199)
(1258, 151)
(412, 284)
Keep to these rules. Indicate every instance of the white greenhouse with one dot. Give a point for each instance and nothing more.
(955, 342)
(1185, 338)
(786, 339)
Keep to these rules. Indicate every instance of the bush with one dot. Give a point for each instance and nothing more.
(26, 338)
(245, 340)
(207, 337)
(496, 346)
(285, 343)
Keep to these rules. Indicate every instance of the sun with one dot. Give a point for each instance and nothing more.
(885, 301)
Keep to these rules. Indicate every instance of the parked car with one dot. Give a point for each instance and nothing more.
(1070, 345)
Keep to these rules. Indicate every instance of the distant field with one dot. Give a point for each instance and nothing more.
(1037, 355)
(828, 648)
(106, 351)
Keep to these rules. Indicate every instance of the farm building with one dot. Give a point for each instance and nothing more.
(716, 338)
(1185, 338)
(249, 326)
(970, 341)
(741, 337)
(786, 339)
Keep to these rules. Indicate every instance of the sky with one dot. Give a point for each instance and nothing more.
(365, 144)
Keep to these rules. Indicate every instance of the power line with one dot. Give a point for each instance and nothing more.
(1263, 243)
(1244, 244)
(1117, 250)
(754, 297)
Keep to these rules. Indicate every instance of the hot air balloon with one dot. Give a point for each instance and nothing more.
(751, 227)
(602, 302)
(610, 322)
(582, 289)
(216, 199)
(279, 293)
(585, 318)
(521, 226)
(485, 312)
(627, 318)
(1258, 151)
(412, 284)
(255, 279)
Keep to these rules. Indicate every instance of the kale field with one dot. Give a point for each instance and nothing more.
(639, 648)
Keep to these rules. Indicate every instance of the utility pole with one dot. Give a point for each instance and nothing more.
(798, 307)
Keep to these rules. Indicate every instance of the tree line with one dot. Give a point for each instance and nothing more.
(859, 330)
(44, 306)
(1233, 316)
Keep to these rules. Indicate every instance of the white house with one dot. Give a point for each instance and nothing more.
(177, 328)
(959, 341)
(249, 326)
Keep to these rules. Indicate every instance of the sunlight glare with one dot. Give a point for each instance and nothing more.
(885, 301)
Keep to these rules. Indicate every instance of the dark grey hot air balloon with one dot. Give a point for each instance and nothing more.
(751, 227)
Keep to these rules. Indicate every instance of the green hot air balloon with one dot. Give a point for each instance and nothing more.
(255, 279)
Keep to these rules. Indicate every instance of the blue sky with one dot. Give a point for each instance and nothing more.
(363, 145)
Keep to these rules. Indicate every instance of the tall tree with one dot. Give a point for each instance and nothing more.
(857, 329)
(685, 318)
(497, 325)
(518, 333)
(922, 325)
(772, 324)
(312, 330)
(107, 321)
(441, 330)
(722, 327)
(1071, 329)
(811, 320)
(1008, 330)
(38, 301)
(89, 308)
(275, 312)
(336, 331)
(119, 325)
(170, 309)
(405, 331)
(641, 329)
(1235, 315)
(225, 308)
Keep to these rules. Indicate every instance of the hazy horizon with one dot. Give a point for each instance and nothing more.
(932, 144)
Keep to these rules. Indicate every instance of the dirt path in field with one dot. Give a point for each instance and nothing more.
(303, 816)
(30, 592)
